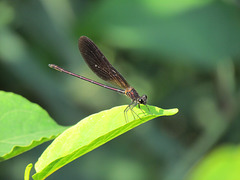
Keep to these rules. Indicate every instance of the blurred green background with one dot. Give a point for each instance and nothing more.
(183, 54)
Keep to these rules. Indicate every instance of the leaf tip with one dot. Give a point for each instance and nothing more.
(170, 112)
(27, 171)
(175, 111)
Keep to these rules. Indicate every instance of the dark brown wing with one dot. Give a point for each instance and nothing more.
(99, 63)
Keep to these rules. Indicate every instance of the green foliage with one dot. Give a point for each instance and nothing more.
(89, 134)
(27, 125)
(24, 125)
(221, 164)
(181, 54)
(27, 171)
(205, 32)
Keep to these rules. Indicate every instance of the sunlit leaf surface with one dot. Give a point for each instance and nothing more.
(90, 133)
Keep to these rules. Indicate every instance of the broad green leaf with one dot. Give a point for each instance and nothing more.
(90, 133)
(223, 163)
(178, 28)
(169, 7)
(24, 125)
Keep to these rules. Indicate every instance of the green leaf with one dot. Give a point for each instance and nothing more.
(27, 171)
(182, 28)
(90, 133)
(24, 125)
(223, 163)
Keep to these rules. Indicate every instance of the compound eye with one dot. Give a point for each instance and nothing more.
(141, 101)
